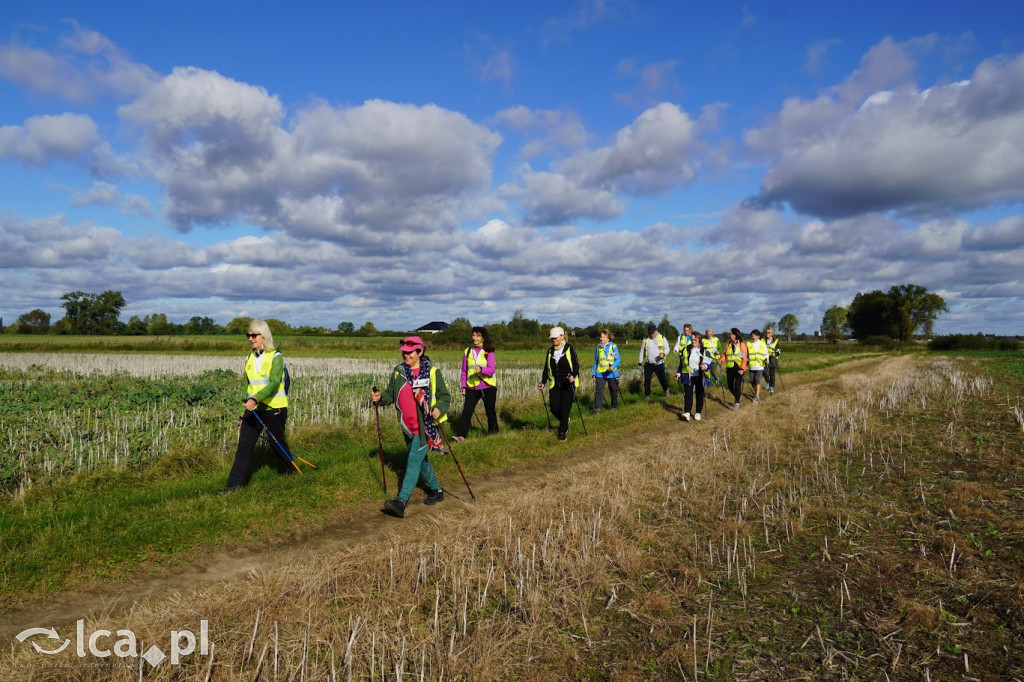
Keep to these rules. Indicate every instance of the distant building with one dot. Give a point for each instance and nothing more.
(433, 328)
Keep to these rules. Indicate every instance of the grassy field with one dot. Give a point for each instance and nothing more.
(85, 453)
(865, 524)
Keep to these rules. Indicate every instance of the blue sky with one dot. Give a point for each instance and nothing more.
(401, 162)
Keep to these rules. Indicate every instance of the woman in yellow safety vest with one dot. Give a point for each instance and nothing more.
(606, 370)
(710, 343)
(734, 357)
(561, 376)
(478, 382)
(692, 372)
(264, 393)
(774, 351)
(757, 360)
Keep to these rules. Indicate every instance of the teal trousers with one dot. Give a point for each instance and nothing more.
(417, 466)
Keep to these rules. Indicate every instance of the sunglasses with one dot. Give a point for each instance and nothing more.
(252, 336)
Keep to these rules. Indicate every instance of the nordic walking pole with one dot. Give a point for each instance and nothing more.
(546, 412)
(380, 446)
(457, 465)
(287, 456)
(778, 373)
(580, 410)
(290, 454)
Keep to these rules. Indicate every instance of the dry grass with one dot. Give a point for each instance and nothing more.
(797, 539)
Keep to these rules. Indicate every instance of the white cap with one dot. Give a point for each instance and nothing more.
(556, 332)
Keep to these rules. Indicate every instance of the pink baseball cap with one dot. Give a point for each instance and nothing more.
(411, 343)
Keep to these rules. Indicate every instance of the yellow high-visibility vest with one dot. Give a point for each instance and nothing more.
(473, 366)
(258, 380)
(758, 351)
(551, 367)
(605, 361)
(433, 395)
(734, 354)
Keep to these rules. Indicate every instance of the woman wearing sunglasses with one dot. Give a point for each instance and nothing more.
(265, 393)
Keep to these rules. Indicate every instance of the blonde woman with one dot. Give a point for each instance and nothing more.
(265, 394)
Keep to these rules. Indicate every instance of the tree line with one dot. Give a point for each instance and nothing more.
(88, 313)
(899, 314)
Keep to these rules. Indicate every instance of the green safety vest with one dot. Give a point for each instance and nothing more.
(259, 380)
(475, 378)
(712, 344)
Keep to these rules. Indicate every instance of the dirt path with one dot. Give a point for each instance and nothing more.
(364, 524)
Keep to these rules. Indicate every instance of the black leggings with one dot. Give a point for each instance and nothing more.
(248, 433)
(473, 396)
(735, 381)
(696, 385)
(561, 400)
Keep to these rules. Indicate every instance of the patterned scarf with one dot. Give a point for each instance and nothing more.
(423, 400)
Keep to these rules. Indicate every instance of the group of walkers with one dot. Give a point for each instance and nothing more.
(421, 397)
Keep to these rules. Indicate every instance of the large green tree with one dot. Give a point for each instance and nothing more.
(278, 327)
(34, 322)
(789, 325)
(87, 313)
(899, 313)
(872, 314)
(915, 309)
(202, 325)
(833, 324)
(239, 325)
(668, 330)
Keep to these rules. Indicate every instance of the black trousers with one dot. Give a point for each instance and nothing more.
(696, 386)
(613, 390)
(735, 381)
(561, 400)
(248, 433)
(473, 396)
(769, 372)
(658, 369)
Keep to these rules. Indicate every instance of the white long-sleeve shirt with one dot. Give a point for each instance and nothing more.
(651, 348)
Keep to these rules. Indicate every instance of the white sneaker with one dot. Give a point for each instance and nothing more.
(686, 417)
(697, 416)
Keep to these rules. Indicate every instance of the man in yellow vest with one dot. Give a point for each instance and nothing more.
(652, 359)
